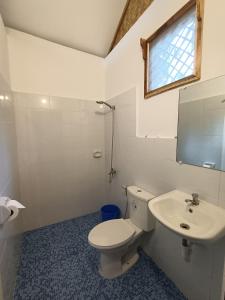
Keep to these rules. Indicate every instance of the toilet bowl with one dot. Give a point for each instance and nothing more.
(118, 239)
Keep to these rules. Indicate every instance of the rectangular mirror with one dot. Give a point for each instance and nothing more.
(201, 124)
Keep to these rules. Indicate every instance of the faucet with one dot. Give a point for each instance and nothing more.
(111, 174)
(195, 201)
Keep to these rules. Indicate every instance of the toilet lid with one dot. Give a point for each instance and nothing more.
(110, 234)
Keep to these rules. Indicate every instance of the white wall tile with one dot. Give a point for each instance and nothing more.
(59, 177)
(9, 186)
(151, 164)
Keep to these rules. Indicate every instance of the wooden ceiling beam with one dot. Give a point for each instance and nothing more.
(131, 13)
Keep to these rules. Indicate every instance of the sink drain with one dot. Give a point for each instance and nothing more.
(185, 226)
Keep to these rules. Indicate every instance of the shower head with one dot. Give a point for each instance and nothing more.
(110, 106)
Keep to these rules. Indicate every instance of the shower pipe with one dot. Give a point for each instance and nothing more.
(112, 171)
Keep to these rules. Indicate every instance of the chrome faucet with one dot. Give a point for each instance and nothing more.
(195, 200)
(111, 174)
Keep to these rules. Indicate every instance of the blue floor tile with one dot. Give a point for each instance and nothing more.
(58, 263)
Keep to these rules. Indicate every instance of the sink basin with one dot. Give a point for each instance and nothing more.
(205, 222)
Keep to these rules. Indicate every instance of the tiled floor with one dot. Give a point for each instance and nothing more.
(58, 263)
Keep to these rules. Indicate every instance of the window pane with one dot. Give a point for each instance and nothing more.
(172, 54)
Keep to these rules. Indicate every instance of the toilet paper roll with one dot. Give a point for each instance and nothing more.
(14, 207)
(4, 214)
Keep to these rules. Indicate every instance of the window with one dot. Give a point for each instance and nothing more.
(172, 54)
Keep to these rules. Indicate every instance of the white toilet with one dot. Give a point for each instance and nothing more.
(118, 240)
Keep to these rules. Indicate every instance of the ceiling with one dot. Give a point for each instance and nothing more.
(81, 24)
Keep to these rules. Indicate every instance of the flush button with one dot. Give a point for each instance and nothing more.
(139, 190)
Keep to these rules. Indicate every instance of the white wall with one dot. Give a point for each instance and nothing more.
(59, 178)
(125, 66)
(151, 163)
(9, 240)
(42, 67)
(4, 61)
(66, 127)
(45, 68)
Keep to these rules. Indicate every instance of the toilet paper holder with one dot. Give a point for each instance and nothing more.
(9, 209)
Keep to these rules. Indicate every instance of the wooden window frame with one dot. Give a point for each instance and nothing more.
(145, 44)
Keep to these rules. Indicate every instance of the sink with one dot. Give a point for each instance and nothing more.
(205, 222)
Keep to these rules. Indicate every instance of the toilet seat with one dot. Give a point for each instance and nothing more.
(111, 234)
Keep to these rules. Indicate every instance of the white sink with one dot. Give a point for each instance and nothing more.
(204, 222)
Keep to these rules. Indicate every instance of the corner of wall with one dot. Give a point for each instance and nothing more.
(4, 58)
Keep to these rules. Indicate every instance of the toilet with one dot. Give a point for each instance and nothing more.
(118, 239)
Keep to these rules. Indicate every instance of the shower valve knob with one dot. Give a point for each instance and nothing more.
(112, 172)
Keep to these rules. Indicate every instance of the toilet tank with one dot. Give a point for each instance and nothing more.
(139, 212)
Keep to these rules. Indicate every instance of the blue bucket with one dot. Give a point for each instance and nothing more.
(110, 212)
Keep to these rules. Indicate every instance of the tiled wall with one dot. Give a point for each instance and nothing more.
(59, 178)
(151, 164)
(9, 237)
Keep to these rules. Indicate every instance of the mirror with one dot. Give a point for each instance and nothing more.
(201, 124)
